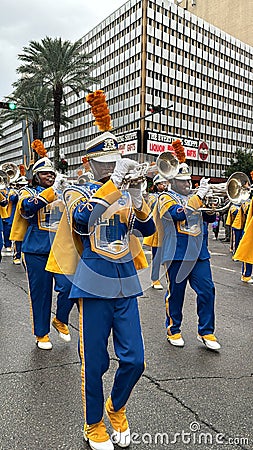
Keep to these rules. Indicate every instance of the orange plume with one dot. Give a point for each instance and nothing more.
(39, 148)
(251, 174)
(22, 170)
(179, 150)
(100, 110)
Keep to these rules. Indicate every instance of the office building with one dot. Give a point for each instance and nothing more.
(157, 53)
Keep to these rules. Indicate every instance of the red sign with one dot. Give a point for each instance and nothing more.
(203, 151)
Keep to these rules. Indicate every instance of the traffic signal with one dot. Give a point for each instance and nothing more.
(155, 108)
(8, 105)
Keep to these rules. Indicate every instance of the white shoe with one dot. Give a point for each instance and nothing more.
(97, 431)
(17, 262)
(7, 251)
(121, 438)
(44, 345)
(44, 342)
(175, 339)
(249, 281)
(210, 341)
(157, 285)
(65, 337)
(62, 329)
(107, 445)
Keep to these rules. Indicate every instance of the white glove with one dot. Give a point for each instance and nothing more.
(204, 187)
(60, 183)
(136, 196)
(123, 166)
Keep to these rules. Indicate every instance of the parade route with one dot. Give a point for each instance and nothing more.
(187, 397)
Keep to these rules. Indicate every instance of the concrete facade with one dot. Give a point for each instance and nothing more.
(155, 52)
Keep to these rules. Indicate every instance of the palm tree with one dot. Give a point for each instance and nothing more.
(60, 66)
(37, 102)
(38, 107)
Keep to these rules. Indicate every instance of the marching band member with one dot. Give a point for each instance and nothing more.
(235, 234)
(244, 250)
(3, 214)
(160, 185)
(32, 225)
(104, 220)
(20, 182)
(183, 236)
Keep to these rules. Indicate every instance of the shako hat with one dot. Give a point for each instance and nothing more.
(159, 179)
(43, 165)
(183, 172)
(103, 148)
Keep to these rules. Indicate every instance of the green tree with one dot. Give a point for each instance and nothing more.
(241, 162)
(38, 107)
(61, 67)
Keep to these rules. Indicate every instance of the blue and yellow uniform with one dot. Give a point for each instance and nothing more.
(7, 222)
(243, 253)
(106, 282)
(35, 224)
(3, 215)
(236, 233)
(152, 241)
(183, 237)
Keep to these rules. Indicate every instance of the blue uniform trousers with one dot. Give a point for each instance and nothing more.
(1, 234)
(6, 232)
(97, 318)
(155, 263)
(236, 236)
(40, 289)
(200, 278)
(246, 269)
(17, 249)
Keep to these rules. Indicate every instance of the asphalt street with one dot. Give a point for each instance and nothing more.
(188, 398)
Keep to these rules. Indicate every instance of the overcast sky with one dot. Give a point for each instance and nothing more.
(24, 20)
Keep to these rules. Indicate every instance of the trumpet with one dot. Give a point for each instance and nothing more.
(216, 199)
(136, 176)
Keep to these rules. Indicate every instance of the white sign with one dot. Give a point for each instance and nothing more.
(191, 153)
(128, 148)
(155, 148)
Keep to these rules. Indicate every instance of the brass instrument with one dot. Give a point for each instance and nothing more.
(4, 179)
(167, 165)
(238, 187)
(235, 190)
(217, 198)
(85, 178)
(11, 170)
(136, 176)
